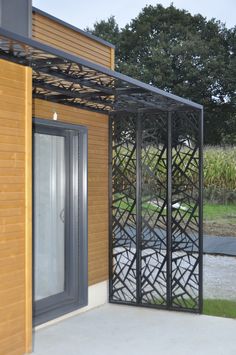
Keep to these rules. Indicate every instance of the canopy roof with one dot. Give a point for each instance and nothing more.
(67, 79)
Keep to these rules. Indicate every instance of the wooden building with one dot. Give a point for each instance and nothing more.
(54, 201)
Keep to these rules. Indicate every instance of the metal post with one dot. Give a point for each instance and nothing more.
(110, 248)
(200, 211)
(169, 210)
(138, 205)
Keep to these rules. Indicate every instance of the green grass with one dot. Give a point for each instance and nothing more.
(216, 212)
(219, 219)
(128, 205)
(211, 307)
(219, 308)
(210, 211)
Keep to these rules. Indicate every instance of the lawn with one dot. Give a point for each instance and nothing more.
(216, 212)
(219, 219)
(219, 308)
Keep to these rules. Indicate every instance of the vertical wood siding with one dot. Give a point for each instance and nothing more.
(50, 32)
(97, 180)
(15, 236)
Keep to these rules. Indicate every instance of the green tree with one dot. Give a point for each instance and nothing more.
(183, 54)
(107, 30)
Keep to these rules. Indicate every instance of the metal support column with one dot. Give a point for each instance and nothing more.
(138, 204)
(201, 211)
(169, 208)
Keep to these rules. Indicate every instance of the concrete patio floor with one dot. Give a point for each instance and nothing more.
(126, 330)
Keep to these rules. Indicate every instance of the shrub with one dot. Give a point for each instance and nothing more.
(220, 174)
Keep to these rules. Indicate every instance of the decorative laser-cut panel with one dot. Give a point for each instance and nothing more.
(124, 208)
(185, 211)
(154, 209)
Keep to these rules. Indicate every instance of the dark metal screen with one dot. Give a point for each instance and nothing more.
(156, 209)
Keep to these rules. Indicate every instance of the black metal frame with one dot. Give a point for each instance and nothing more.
(70, 80)
(148, 267)
(67, 79)
(75, 294)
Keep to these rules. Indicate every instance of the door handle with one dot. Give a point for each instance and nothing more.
(62, 215)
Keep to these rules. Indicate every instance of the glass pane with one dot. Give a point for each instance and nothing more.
(49, 208)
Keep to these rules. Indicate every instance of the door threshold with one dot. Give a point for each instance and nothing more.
(97, 297)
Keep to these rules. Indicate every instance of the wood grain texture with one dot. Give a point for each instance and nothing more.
(113, 58)
(15, 212)
(28, 211)
(97, 180)
(50, 32)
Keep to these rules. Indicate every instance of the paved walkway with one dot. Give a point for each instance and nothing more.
(211, 244)
(219, 279)
(219, 245)
(127, 330)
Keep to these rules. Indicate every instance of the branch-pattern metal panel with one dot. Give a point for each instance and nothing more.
(124, 209)
(156, 209)
(153, 171)
(185, 211)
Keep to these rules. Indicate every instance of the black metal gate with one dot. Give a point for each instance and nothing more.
(156, 209)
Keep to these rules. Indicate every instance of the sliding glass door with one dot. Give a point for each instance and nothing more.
(60, 268)
(49, 215)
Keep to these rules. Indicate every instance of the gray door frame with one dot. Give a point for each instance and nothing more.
(75, 294)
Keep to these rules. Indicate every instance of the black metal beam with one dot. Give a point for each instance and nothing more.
(76, 80)
(53, 98)
(13, 58)
(45, 62)
(132, 101)
(89, 96)
(129, 91)
(68, 93)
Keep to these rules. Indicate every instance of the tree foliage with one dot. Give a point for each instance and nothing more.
(107, 30)
(183, 54)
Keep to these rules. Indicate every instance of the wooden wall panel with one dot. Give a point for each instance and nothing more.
(57, 35)
(97, 180)
(15, 209)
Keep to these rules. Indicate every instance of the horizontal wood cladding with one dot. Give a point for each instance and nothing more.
(16, 109)
(97, 180)
(57, 35)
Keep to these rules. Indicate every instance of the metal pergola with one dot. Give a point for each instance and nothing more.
(68, 79)
(155, 173)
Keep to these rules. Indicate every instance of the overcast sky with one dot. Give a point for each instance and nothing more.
(83, 13)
